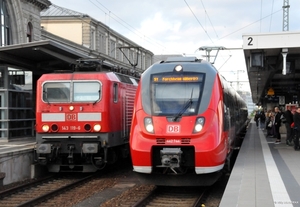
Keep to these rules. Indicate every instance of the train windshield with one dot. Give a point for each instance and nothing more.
(86, 91)
(178, 94)
(65, 92)
(56, 92)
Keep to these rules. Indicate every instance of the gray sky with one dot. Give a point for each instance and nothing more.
(182, 26)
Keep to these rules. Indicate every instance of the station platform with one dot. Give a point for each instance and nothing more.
(18, 145)
(16, 160)
(265, 174)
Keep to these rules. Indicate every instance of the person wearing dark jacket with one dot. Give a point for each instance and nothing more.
(277, 124)
(297, 128)
(289, 120)
(256, 118)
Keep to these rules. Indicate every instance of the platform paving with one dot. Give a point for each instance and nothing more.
(265, 174)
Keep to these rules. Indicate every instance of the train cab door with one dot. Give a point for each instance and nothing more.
(120, 101)
(117, 114)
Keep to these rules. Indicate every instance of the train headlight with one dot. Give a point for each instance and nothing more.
(198, 125)
(178, 68)
(45, 128)
(97, 127)
(149, 124)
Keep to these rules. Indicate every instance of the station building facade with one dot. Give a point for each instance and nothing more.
(37, 37)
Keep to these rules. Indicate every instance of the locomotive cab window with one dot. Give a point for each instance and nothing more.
(86, 91)
(56, 92)
(176, 94)
(65, 92)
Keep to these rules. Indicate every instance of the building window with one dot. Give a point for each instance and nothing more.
(102, 44)
(93, 38)
(29, 32)
(4, 21)
(113, 49)
(119, 53)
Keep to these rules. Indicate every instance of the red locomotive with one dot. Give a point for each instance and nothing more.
(185, 122)
(83, 119)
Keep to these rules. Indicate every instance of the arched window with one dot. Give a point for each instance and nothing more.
(4, 22)
(29, 32)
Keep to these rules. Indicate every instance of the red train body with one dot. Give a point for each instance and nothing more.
(185, 122)
(83, 119)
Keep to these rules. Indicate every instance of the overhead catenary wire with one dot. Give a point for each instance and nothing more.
(198, 21)
(154, 42)
(128, 26)
(206, 13)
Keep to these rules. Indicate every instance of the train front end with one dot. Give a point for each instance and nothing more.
(73, 127)
(177, 126)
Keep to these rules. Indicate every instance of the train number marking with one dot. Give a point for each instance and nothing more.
(250, 41)
(74, 127)
(71, 117)
(173, 128)
(173, 141)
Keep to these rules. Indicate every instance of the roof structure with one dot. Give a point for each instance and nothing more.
(273, 66)
(40, 56)
(57, 11)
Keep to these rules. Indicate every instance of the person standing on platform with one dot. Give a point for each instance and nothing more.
(262, 117)
(297, 128)
(277, 124)
(256, 118)
(289, 120)
(270, 125)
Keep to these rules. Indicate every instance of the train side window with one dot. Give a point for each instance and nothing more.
(115, 88)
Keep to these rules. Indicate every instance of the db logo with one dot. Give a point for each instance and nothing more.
(173, 129)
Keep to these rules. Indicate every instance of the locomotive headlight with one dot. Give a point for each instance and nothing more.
(45, 128)
(149, 124)
(97, 127)
(71, 108)
(198, 125)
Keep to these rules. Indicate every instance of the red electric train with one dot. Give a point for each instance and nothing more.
(83, 119)
(185, 123)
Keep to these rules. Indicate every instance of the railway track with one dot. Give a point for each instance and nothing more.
(173, 196)
(37, 192)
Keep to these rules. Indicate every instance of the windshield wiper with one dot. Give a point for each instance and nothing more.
(46, 98)
(98, 98)
(185, 107)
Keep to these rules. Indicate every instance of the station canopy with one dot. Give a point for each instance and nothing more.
(40, 56)
(273, 65)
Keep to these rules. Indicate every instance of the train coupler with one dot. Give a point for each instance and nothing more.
(170, 158)
(70, 156)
